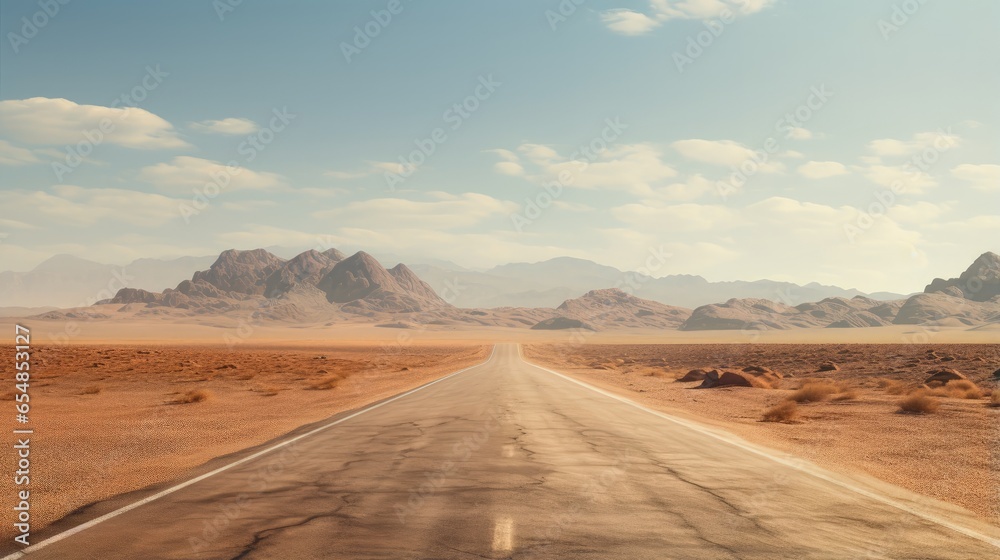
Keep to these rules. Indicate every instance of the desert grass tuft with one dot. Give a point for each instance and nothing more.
(785, 411)
(995, 399)
(919, 402)
(196, 396)
(849, 394)
(958, 389)
(326, 383)
(892, 386)
(813, 392)
(91, 390)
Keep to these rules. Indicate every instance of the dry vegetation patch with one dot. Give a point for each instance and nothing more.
(196, 396)
(814, 392)
(919, 402)
(785, 411)
(847, 394)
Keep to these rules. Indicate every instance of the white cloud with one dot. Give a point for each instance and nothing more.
(941, 140)
(509, 168)
(505, 155)
(184, 173)
(374, 168)
(635, 168)
(445, 211)
(538, 153)
(676, 217)
(985, 177)
(792, 154)
(15, 224)
(247, 205)
(630, 22)
(799, 133)
(905, 179)
(822, 169)
(721, 152)
(73, 205)
(348, 175)
(53, 122)
(627, 22)
(14, 155)
(918, 213)
(695, 187)
(232, 125)
(258, 235)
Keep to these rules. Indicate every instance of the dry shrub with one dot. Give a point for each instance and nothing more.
(892, 386)
(268, 390)
(8, 396)
(995, 399)
(326, 383)
(199, 395)
(849, 394)
(919, 402)
(91, 390)
(958, 389)
(785, 411)
(964, 389)
(813, 392)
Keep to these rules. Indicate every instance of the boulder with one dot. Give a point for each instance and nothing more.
(944, 375)
(694, 375)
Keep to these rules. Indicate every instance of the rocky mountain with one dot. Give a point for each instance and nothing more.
(971, 299)
(310, 284)
(763, 314)
(946, 310)
(979, 282)
(304, 269)
(364, 285)
(243, 272)
(613, 308)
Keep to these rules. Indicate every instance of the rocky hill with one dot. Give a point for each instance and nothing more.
(311, 284)
(613, 308)
(979, 282)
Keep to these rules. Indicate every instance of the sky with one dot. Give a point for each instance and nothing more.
(852, 143)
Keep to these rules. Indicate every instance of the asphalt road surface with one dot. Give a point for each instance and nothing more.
(507, 460)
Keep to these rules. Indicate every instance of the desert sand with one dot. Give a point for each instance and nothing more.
(213, 331)
(951, 455)
(110, 419)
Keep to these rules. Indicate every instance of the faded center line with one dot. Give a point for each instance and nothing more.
(503, 534)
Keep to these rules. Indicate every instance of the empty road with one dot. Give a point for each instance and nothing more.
(507, 460)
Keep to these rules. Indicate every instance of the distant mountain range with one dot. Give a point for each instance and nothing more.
(549, 283)
(331, 287)
(66, 281)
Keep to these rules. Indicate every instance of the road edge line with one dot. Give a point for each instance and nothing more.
(125, 509)
(746, 446)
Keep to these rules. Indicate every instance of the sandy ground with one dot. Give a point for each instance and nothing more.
(952, 455)
(228, 330)
(106, 419)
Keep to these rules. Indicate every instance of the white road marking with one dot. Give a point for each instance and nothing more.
(82, 527)
(797, 465)
(503, 534)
